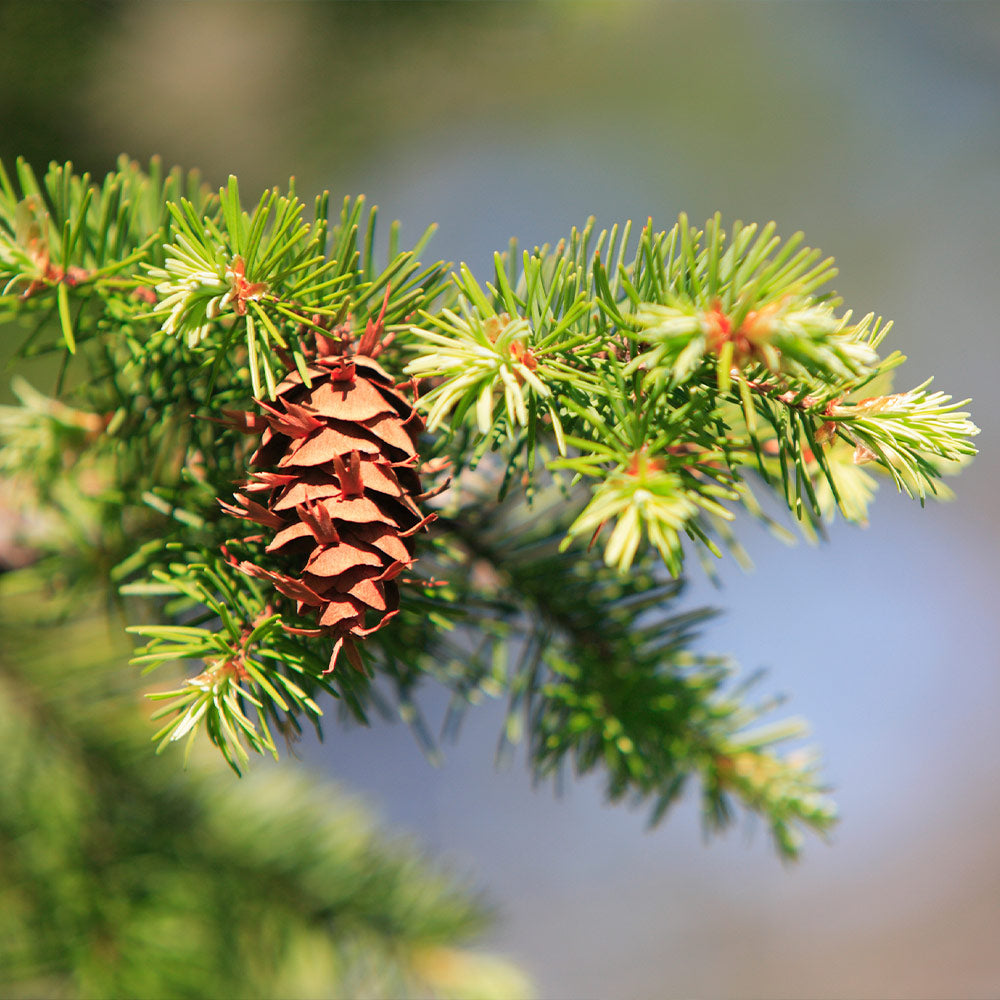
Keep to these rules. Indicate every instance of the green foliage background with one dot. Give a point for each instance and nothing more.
(122, 876)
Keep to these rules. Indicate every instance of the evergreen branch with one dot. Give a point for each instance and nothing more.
(633, 369)
(68, 242)
(668, 374)
(912, 434)
(604, 678)
(271, 274)
(252, 666)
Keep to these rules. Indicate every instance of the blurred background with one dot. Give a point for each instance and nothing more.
(875, 128)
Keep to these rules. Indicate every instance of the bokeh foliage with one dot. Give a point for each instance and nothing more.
(122, 876)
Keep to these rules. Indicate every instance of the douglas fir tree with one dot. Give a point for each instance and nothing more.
(595, 414)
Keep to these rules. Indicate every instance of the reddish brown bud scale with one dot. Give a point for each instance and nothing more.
(746, 339)
(336, 463)
(523, 355)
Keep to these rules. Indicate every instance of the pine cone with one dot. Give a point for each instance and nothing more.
(337, 466)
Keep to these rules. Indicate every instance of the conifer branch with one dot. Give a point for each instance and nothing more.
(204, 346)
(600, 675)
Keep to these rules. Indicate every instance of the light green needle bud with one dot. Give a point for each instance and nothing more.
(643, 498)
(478, 361)
(191, 289)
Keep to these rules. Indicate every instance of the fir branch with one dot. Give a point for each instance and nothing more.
(256, 674)
(911, 434)
(267, 278)
(672, 376)
(601, 672)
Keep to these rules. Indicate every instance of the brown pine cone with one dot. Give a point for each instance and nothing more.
(339, 487)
